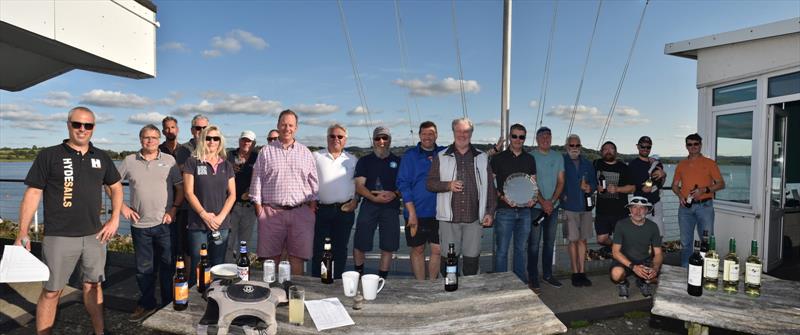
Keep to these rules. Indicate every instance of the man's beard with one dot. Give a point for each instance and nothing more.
(381, 152)
(644, 156)
(573, 154)
(609, 158)
(170, 136)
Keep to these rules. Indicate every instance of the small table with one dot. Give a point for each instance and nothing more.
(496, 303)
(776, 311)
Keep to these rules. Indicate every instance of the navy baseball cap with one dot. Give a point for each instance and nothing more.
(542, 130)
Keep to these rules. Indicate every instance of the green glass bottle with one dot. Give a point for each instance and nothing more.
(711, 266)
(752, 274)
(730, 270)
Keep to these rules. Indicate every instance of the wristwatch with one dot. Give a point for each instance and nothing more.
(708, 189)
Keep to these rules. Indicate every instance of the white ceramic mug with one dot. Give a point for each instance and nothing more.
(350, 283)
(370, 285)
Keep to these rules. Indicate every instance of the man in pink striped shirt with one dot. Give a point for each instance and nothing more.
(284, 190)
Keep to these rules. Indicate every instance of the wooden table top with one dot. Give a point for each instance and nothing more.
(497, 303)
(776, 311)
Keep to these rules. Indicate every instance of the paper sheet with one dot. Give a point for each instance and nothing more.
(328, 313)
(18, 266)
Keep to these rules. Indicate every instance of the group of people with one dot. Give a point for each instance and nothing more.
(284, 201)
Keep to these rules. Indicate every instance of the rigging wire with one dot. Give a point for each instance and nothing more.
(401, 40)
(622, 78)
(585, 65)
(543, 92)
(356, 77)
(458, 58)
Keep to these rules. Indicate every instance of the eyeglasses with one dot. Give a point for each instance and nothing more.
(381, 138)
(332, 136)
(213, 138)
(645, 147)
(574, 145)
(78, 125)
(199, 128)
(514, 136)
(640, 202)
(692, 144)
(150, 138)
(270, 139)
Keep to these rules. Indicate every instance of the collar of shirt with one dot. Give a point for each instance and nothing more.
(70, 149)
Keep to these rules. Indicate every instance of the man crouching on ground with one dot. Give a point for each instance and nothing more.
(636, 249)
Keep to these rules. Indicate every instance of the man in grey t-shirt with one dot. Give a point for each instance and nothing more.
(636, 249)
(152, 175)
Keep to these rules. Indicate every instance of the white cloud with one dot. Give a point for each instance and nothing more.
(227, 44)
(316, 122)
(174, 46)
(488, 123)
(430, 86)
(211, 53)
(231, 104)
(626, 111)
(635, 122)
(98, 97)
(57, 99)
(32, 125)
(101, 140)
(591, 117)
(249, 38)
(315, 109)
(359, 110)
(231, 43)
(146, 118)
(533, 104)
(375, 123)
(23, 114)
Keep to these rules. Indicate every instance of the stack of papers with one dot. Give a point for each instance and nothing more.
(19, 265)
(328, 313)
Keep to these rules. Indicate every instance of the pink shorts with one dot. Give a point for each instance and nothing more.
(291, 229)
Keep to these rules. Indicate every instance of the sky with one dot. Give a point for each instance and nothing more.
(242, 62)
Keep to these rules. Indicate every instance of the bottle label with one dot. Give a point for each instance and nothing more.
(207, 276)
(752, 274)
(695, 275)
(182, 293)
(323, 270)
(711, 268)
(243, 272)
(451, 277)
(730, 270)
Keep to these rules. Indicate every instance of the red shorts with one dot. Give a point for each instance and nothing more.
(292, 229)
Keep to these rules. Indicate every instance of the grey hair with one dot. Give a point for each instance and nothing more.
(198, 117)
(149, 127)
(337, 126)
(462, 120)
(79, 108)
(572, 136)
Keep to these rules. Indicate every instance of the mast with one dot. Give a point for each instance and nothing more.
(506, 85)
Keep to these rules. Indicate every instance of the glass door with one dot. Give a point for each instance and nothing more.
(777, 181)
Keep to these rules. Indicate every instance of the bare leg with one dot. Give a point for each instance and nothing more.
(604, 240)
(386, 260)
(617, 274)
(581, 246)
(434, 263)
(417, 255)
(297, 265)
(573, 256)
(358, 257)
(46, 311)
(93, 301)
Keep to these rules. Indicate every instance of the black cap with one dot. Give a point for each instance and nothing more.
(543, 129)
(645, 139)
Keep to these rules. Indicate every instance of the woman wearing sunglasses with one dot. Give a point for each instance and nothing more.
(208, 181)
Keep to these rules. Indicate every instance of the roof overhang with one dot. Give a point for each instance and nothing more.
(689, 48)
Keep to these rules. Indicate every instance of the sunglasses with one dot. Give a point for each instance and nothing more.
(645, 147)
(639, 202)
(332, 136)
(199, 128)
(514, 136)
(381, 138)
(213, 138)
(78, 125)
(692, 144)
(270, 139)
(574, 145)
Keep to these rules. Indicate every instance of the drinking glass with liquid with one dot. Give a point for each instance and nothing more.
(297, 297)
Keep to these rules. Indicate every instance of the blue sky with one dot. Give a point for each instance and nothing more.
(242, 62)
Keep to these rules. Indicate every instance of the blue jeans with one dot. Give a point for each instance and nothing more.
(332, 222)
(508, 222)
(152, 249)
(700, 216)
(216, 252)
(547, 232)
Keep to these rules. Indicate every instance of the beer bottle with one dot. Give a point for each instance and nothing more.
(451, 278)
(203, 270)
(180, 287)
(326, 266)
(243, 264)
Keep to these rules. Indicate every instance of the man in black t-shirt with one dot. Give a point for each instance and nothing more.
(640, 173)
(70, 177)
(612, 188)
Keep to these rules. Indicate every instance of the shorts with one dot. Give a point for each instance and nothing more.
(466, 237)
(61, 253)
(385, 219)
(290, 228)
(628, 271)
(579, 225)
(604, 225)
(657, 216)
(427, 232)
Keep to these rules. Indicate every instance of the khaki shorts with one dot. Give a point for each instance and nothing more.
(579, 225)
(466, 237)
(61, 253)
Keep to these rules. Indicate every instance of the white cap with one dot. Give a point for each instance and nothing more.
(248, 134)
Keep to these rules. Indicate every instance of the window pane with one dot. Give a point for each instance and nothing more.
(784, 85)
(734, 149)
(735, 93)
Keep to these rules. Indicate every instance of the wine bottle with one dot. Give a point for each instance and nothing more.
(690, 197)
(695, 281)
(711, 266)
(752, 273)
(730, 270)
(704, 244)
(180, 287)
(588, 201)
(243, 264)
(203, 270)
(326, 265)
(451, 278)
(602, 185)
(540, 219)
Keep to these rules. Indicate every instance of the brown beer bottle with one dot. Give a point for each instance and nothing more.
(180, 286)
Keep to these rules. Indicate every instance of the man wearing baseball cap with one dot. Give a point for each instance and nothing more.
(376, 181)
(243, 218)
(636, 249)
(648, 183)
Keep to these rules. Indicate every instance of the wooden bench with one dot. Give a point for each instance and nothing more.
(488, 304)
(776, 311)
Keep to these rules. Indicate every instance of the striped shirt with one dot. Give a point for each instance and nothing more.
(284, 177)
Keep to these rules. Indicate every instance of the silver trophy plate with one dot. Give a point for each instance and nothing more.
(520, 188)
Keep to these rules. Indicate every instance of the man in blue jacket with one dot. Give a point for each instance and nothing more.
(579, 175)
(419, 203)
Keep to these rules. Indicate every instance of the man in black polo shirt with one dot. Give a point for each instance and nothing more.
(376, 181)
(70, 177)
(512, 219)
(640, 173)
